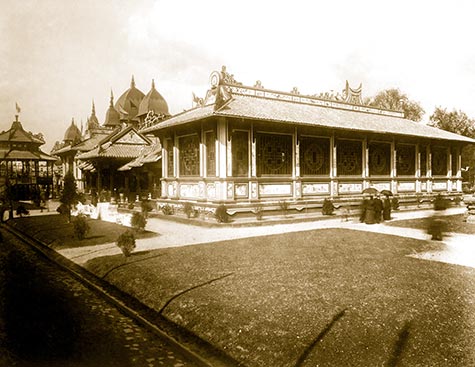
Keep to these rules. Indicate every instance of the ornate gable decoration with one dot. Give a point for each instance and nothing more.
(131, 137)
(353, 96)
(220, 91)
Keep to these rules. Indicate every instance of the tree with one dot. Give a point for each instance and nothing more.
(69, 194)
(458, 122)
(394, 99)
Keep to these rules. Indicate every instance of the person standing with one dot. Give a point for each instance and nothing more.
(386, 208)
(378, 208)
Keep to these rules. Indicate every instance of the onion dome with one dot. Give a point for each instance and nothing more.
(92, 121)
(112, 115)
(72, 134)
(129, 102)
(153, 101)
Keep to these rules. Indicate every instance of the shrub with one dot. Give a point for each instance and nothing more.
(62, 209)
(126, 242)
(131, 205)
(395, 203)
(284, 206)
(258, 211)
(221, 214)
(440, 203)
(138, 221)
(80, 226)
(167, 209)
(328, 207)
(190, 210)
(21, 211)
(146, 206)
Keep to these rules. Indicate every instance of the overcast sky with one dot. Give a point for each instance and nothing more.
(56, 56)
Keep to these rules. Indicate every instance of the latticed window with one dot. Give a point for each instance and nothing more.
(423, 164)
(379, 159)
(349, 157)
(189, 155)
(454, 161)
(170, 169)
(406, 160)
(210, 141)
(314, 156)
(439, 161)
(274, 154)
(240, 153)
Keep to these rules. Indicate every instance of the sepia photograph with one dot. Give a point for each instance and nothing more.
(237, 183)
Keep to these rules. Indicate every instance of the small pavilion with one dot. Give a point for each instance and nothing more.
(24, 167)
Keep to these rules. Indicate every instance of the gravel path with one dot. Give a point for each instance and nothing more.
(50, 319)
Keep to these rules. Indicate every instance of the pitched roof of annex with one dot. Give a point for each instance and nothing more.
(258, 104)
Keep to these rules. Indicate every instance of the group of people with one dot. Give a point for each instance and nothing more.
(374, 210)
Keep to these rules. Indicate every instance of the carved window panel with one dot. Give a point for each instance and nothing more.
(170, 157)
(379, 159)
(189, 155)
(349, 158)
(314, 156)
(240, 153)
(439, 161)
(274, 155)
(405, 160)
(210, 140)
(423, 162)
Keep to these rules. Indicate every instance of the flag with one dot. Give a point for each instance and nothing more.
(18, 109)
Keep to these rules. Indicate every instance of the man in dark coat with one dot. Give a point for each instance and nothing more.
(386, 208)
(378, 208)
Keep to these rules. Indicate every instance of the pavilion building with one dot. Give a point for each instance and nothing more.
(115, 156)
(244, 145)
(24, 167)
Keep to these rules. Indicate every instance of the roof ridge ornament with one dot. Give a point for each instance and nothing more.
(132, 82)
(153, 83)
(353, 96)
(112, 99)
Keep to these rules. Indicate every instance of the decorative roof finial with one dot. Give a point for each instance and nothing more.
(112, 99)
(93, 108)
(132, 82)
(153, 83)
(72, 121)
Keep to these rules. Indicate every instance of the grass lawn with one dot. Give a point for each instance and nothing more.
(57, 233)
(455, 223)
(331, 297)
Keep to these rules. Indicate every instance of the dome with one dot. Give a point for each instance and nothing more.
(128, 103)
(72, 133)
(112, 115)
(92, 121)
(153, 101)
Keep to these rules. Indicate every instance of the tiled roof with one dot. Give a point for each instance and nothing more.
(26, 154)
(129, 151)
(275, 110)
(150, 155)
(297, 113)
(90, 143)
(183, 118)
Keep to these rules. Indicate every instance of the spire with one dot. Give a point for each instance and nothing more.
(72, 121)
(93, 108)
(112, 99)
(153, 83)
(132, 82)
